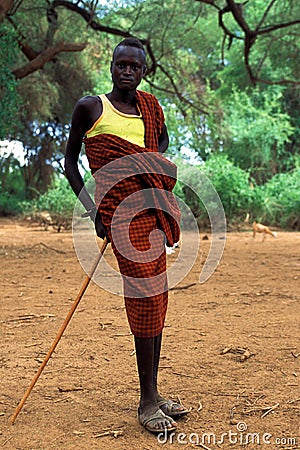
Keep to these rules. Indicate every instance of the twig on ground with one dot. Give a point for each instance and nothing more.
(258, 398)
(114, 433)
(294, 401)
(183, 375)
(244, 352)
(79, 433)
(33, 345)
(103, 325)
(69, 389)
(270, 410)
(200, 406)
(7, 440)
(51, 248)
(265, 409)
(29, 317)
(120, 335)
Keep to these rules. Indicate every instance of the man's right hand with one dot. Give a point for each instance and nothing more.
(100, 228)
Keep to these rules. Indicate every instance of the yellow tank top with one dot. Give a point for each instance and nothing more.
(112, 121)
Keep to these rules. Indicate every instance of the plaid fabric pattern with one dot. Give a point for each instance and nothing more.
(142, 262)
(153, 118)
(145, 312)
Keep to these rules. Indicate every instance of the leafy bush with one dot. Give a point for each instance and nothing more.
(12, 185)
(281, 200)
(259, 131)
(232, 184)
(275, 203)
(59, 200)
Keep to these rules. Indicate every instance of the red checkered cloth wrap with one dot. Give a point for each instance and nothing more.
(134, 198)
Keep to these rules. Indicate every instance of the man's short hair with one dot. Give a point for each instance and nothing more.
(130, 42)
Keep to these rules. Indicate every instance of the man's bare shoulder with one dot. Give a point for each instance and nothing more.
(87, 102)
(87, 110)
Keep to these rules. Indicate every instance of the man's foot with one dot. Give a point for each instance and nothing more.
(156, 421)
(172, 409)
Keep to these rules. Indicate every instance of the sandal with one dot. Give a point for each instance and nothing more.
(172, 409)
(150, 422)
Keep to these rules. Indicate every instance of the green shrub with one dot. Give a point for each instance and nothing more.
(276, 203)
(59, 200)
(281, 200)
(232, 184)
(12, 186)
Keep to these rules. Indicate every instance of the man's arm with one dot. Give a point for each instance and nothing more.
(82, 120)
(79, 126)
(163, 140)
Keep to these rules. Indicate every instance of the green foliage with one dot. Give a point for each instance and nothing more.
(12, 190)
(274, 55)
(10, 100)
(39, 113)
(281, 200)
(258, 132)
(233, 186)
(59, 200)
(276, 203)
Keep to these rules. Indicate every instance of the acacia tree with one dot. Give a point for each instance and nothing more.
(253, 19)
(273, 25)
(34, 95)
(189, 65)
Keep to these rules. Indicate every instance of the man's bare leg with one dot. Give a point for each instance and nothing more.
(157, 349)
(147, 368)
(176, 407)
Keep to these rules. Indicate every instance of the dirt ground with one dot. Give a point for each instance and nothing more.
(231, 349)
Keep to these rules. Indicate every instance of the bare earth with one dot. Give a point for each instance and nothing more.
(87, 396)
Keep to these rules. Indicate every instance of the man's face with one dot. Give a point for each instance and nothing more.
(128, 67)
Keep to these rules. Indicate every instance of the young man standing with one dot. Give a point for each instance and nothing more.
(127, 123)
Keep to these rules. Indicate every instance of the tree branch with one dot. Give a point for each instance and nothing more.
(277, 27)
(209, 2)
(46, 56)
(52, 17)
(175, 91)
(250, 36)
(88, 17)
(282, 82)
(237, 12)
(25, 48)
(222, 25)
(265, 15)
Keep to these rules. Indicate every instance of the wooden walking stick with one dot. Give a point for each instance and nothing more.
(61, 331)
